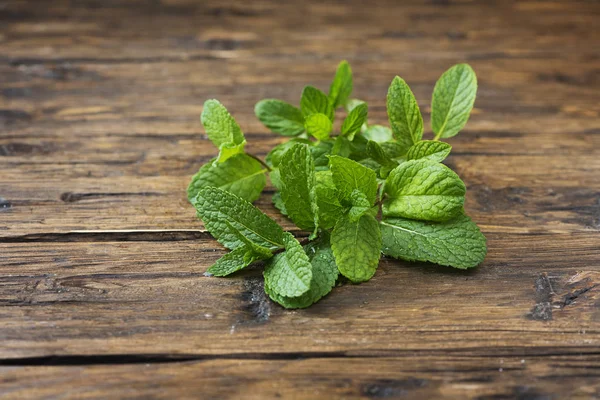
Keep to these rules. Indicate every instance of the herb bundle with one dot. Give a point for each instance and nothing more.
(366, 191)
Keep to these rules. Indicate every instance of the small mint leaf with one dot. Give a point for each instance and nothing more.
(404, 114)
(274, 156)
(355, 120)
(324, 271)
(349, 175)
(222, 129)
(330, 209)
(318, 125)
(341, 87)
(314, 101)
(289, 274)
(429, 150)
(280, 117)
(378, 133)
(421, 189)
(241, 175)
(453, 99)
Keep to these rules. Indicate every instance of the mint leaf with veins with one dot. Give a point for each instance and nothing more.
(330, 209)
(421, 189)
(349, 175)
(222, 211)
(324, 276)
(452, 100)
(314, 101)
(430, 150)
(298, 182)
(222, 130)
(341, 87)
(289, 274)
(355, 120)
(357, 247)
(241, 175)
(404, 114)
(457, 243)
(280, 117)
(318, 125)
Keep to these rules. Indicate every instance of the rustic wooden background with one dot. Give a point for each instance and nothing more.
(102, 293)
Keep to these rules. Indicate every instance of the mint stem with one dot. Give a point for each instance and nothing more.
(260, 161)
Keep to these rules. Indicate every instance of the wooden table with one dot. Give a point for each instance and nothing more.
(102, 292)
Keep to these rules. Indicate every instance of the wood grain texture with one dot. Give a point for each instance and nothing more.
(102, 291)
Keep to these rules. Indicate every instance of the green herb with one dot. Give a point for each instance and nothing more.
(366, 191)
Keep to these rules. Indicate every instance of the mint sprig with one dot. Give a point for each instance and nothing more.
(363, 192)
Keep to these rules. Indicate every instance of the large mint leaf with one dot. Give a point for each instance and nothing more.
(404, 114)
(222, 211)
(430, 150)
(289, 273)
(297, 174)
(222, 129)
(349, 175)
(457, 243)
(421, 189)
(341, 86)
(330, 209)
(318, 125)
(280, 117)
(324, 276)
(453, 99)
(357, 247)
(314, 101)
(241, 175)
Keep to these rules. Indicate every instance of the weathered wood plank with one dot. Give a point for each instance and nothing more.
(63, 298)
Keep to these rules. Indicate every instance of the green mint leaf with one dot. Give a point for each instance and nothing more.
(330, 209)
(278, 203)
(352, 104)
(377, 153)
(378, 133)
(355, 120)
(319, 152)
(318, 125)
(360, 205)
(357, 247)
(274, 156)
(298, 183)
(314, 101)
(393, 149)
(452, 101)
(241, 175)
(280, 117)
(289, 274)
(429, 150)
(341, 147)
(421, 189)
(341, 87)
(404, 114)
(222, 129)
(324, 276)
(349, 175)
(217, 207)
(240, 257)
(457, 243)
(228, 150)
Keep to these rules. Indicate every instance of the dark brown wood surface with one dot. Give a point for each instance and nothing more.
(102, 292)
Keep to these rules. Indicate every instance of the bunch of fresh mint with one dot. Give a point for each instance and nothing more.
(366, 191)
